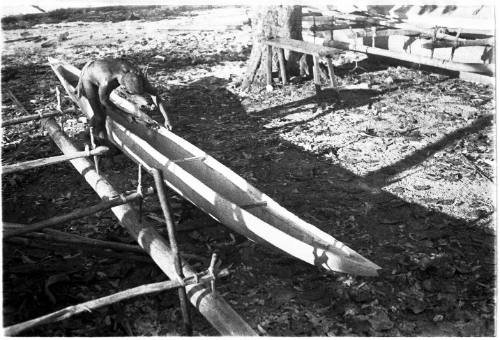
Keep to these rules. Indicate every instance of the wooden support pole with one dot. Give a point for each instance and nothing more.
(281, 57)
(458, 43)
(212, 306)
(28, 118)
(89, 306)
(51, 243)
(165, 206)
(17, 102)
(61, 236)
(10, 168)
(15, 229)
(331, 72)
(269, 65)
(317, 79)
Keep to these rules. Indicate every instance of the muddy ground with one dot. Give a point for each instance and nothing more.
(401, 169)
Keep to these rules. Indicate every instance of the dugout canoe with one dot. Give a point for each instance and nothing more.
(217, 190)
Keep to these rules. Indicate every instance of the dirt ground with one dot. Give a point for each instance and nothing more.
(401, 169)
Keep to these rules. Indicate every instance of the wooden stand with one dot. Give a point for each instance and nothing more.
(316, 51)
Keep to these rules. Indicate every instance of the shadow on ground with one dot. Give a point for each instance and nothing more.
(423, 252)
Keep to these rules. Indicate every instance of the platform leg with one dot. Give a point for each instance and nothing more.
(331, 72)
(317, 79)
(269, 65)
(281, 55)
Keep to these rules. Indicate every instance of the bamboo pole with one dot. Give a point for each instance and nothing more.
(451, 66)
(89, 306)
(37, 163)
(212, 306)
(14, 229)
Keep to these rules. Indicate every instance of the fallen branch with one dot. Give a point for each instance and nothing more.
(27, 39)
(88, 306)
(478, 169)
(13, 229)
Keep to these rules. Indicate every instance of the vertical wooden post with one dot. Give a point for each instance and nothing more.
(317, 80)
(281, 57)
(269, 65)
(331, 72)
(162, 196)
(374, 33)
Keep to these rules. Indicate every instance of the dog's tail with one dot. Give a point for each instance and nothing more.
(79, 87)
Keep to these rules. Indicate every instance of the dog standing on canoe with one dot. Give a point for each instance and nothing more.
(99, 78)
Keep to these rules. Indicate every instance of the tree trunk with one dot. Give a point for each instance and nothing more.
(271, 22)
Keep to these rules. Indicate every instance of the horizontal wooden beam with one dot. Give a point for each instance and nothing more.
(130, 293)
(410, 58)
(15, 229)
(299, 46)
(333, 27)
(28, 118)
(458, 43)
(37, 163)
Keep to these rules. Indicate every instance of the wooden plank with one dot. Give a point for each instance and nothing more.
(447, 65)
(299, 46)
(387, 33)
(333, 27)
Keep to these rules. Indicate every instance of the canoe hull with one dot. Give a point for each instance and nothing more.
(220, 192)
